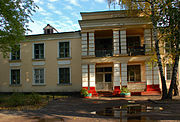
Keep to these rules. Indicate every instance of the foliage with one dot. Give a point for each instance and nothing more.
(16, 99)
(125, 90)
(84, 92)
(34, 98)
(15, 14)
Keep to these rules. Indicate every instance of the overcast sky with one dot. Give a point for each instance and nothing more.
(63, 14)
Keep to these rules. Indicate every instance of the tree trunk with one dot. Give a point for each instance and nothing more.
(163, 82)
(174, 77)
(176, 90)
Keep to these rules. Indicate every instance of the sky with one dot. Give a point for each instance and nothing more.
(63, 14)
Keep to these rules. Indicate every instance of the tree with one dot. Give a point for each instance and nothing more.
(162, 16)
(14, 16)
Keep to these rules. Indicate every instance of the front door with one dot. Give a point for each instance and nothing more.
(104, 79)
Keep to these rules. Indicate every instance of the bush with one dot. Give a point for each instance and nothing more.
(34, 98)
(16, 99)
(84, 92)
(125, 90)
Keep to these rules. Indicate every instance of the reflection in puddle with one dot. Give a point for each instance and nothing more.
(129, 112)
(39, 119)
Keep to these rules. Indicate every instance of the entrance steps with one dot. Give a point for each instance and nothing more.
(105, 94)
(151, 93)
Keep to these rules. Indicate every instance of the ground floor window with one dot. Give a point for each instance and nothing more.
(15, 76)
(133, 73)
(39, 76)
(64, 75)
(104, 74)
(168, 71)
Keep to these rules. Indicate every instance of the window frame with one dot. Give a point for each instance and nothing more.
(58, 54)
(139, 73)
(171, 71)
(16, 51)
(10, 73)
(70, 82)
(39, 68)
(33, 51)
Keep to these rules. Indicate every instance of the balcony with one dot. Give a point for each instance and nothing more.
(104, 53)
(138, 50)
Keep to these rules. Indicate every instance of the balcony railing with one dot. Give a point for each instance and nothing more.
(139, 50)
(104, 53)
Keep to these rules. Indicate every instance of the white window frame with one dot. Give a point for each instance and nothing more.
(69, 48)
(10, 55)
(33, 56)
(10, 76)
(33, 83)
(69, 74)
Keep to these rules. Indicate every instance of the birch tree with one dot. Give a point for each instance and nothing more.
(158, 11)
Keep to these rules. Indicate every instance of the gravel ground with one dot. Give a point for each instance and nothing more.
(83, 110)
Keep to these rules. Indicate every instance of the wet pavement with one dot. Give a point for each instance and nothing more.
(135, 108)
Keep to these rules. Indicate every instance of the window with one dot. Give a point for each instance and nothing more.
(64, 50)
(168, 71)
(64, 75)
(38, 76)
(39, 51)
(104, 74)
(133, 73)
(15, 76)
(15, 53)
(133, 41)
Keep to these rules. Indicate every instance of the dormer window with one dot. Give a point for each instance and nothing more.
(49, 29)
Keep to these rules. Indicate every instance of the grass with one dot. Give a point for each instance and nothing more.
(21, 101)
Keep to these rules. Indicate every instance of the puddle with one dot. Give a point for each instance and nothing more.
(129, 112)
(39, 119)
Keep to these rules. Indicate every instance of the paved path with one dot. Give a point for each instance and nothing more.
(80, 109)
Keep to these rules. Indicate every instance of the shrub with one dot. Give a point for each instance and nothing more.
(34, 98)
(16, 99)
(125, 90)
(84, 92)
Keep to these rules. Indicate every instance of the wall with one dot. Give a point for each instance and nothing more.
(51, 66)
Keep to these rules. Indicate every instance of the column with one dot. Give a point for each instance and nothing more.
(92, 79)
(156, 78)
(147, 40)
(124, 74)
(85, 76)
(91, 44)
(123, 42)
(116, 42)
(84, 44)
(149, 77)
(116, 78)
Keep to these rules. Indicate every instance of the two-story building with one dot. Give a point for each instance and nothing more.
(109, 52)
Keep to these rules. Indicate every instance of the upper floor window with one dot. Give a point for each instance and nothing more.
(15, 76)
(39, 76)
(15, 53)
(39, 51)
(64, 49)
(168, 71)
(64, 75)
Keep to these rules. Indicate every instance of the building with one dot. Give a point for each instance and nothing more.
(109, 52)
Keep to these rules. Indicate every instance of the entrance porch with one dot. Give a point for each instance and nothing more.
(140, 78)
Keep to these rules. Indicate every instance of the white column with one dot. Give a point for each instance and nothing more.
(147, 40)
(84, 44)
(115, 42)
(91, 44)
(148, 74)
(117, 74)
(84, 75)
(123, 42)
(156, 75)
(92, 75)
(124, 74)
